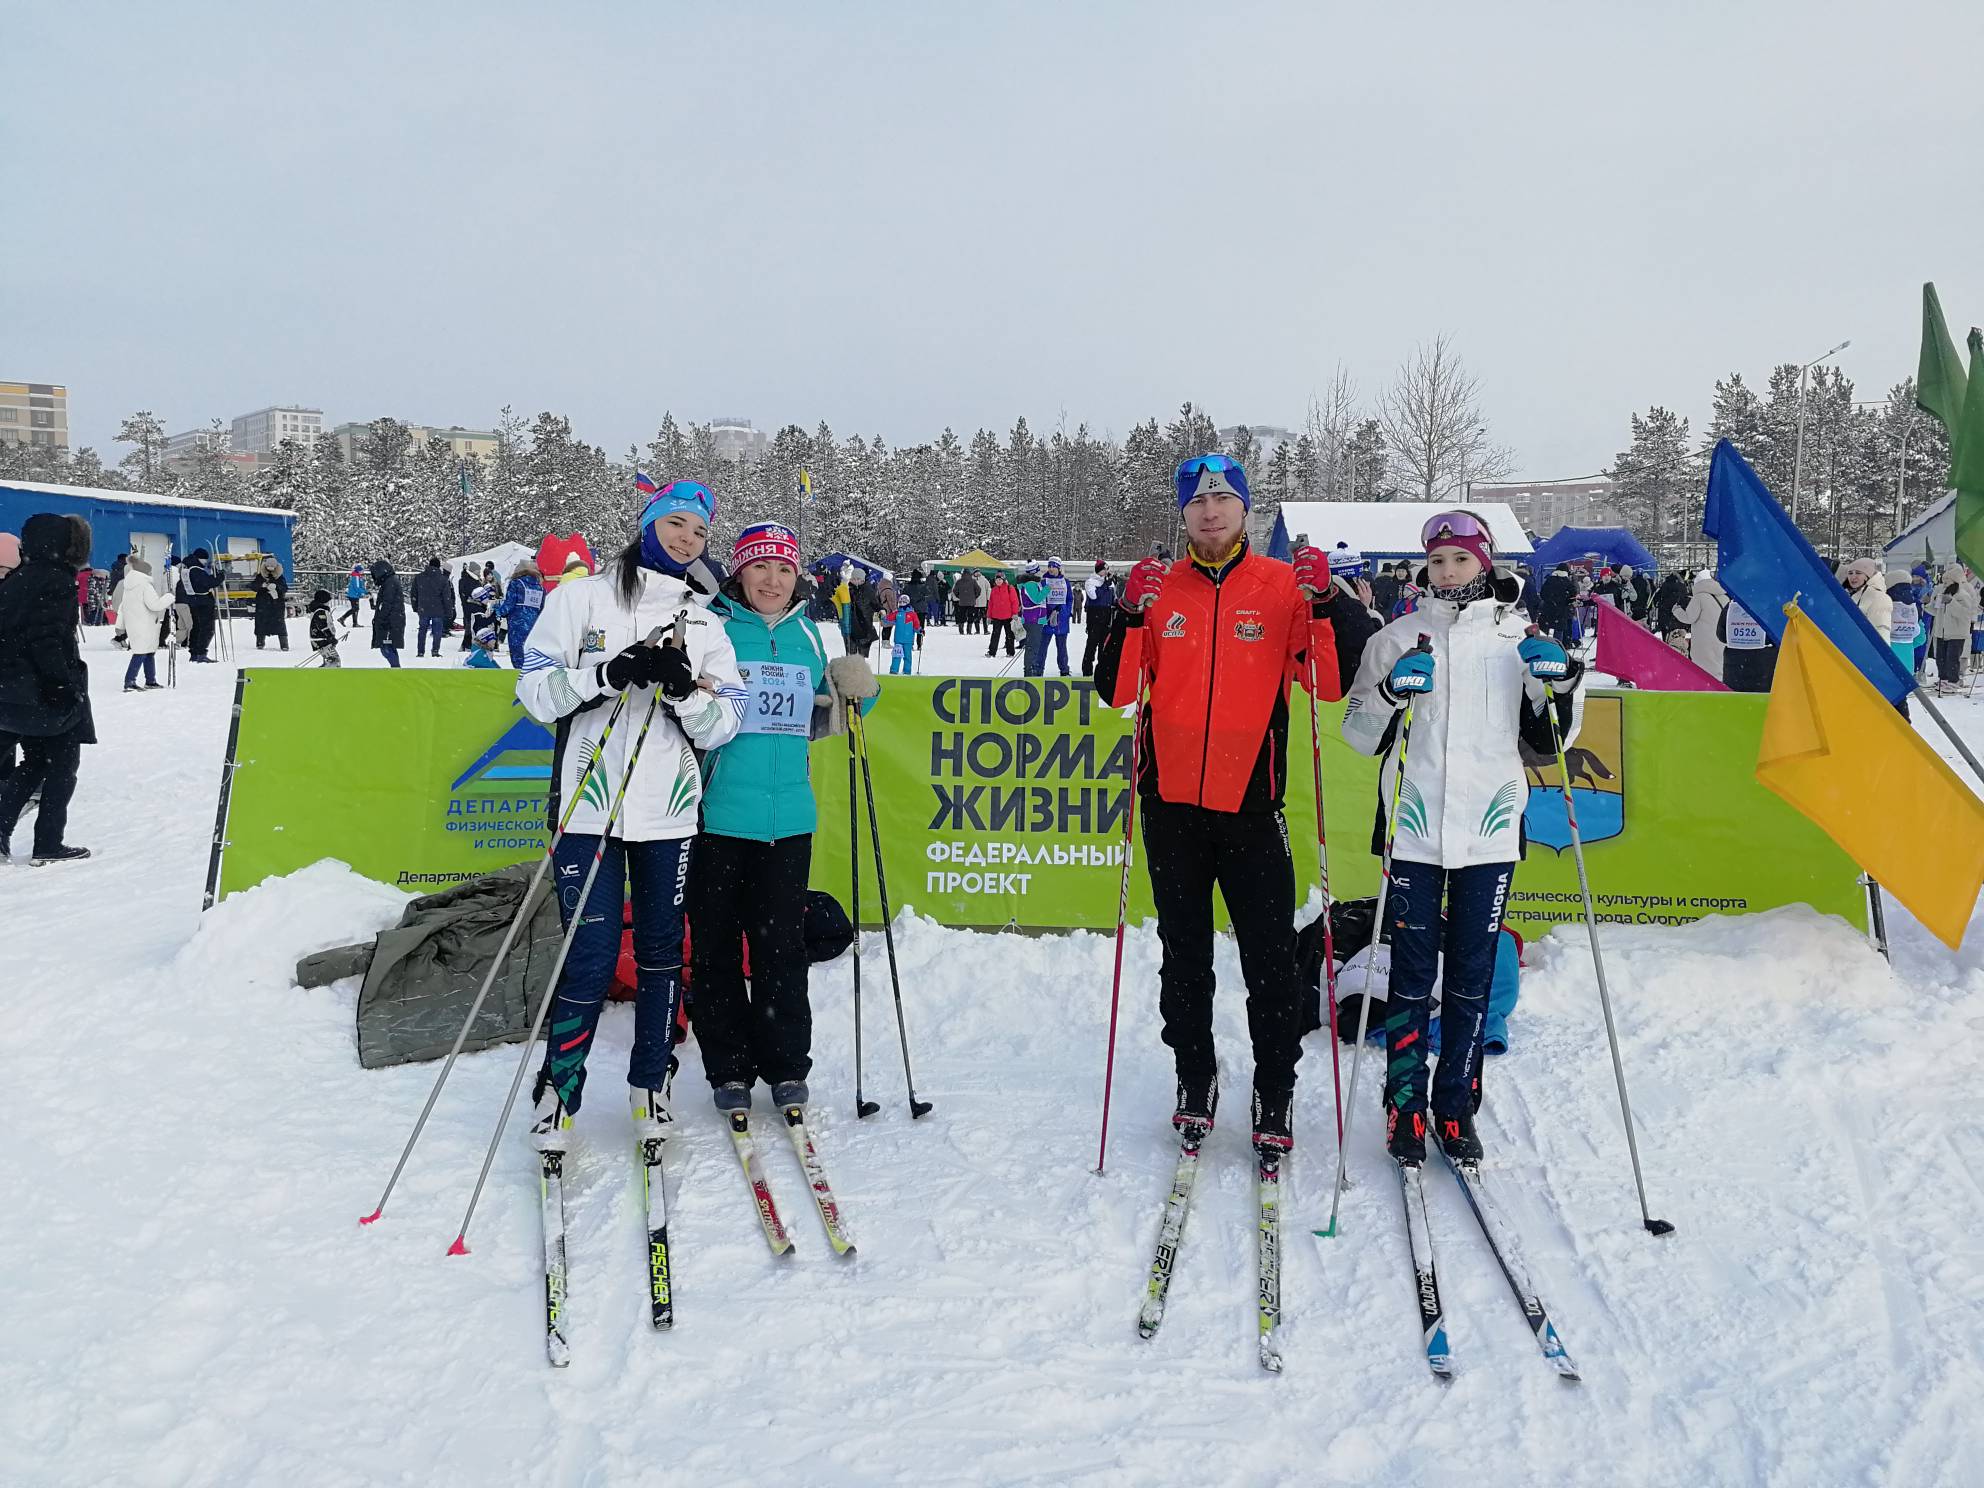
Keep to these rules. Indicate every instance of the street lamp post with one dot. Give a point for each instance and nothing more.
(1798, 457)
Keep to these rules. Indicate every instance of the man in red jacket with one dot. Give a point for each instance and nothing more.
(1218, 636)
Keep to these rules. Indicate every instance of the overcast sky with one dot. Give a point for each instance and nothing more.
(901, 216)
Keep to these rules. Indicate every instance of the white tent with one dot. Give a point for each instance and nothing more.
(506, 556)
(1930, 538)
(1390, 529)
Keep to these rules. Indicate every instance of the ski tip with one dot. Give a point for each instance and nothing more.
(366, 1219)
(1271, 1363)
(1659, 1227)
(460, 1247)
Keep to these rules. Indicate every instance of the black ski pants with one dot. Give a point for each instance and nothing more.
(1189, 850)
(738, 889)
(202, 635)
(51, 764)
(1092, 648)
(1001, 628)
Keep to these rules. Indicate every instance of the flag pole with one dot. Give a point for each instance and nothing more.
(1955, 738)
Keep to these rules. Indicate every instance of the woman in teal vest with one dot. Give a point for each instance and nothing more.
(748, 876)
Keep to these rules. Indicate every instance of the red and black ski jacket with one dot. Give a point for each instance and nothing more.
(1220, 645)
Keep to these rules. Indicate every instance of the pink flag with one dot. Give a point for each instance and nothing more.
(1643, 659)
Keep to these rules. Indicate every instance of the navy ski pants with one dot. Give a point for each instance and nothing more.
(653, 877)
(1473, 899)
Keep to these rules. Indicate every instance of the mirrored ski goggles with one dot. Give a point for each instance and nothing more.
(1203, 473)
(1444, 526)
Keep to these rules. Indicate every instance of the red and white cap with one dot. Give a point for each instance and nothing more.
(772, 540)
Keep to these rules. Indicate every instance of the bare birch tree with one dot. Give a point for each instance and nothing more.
(1433, 425)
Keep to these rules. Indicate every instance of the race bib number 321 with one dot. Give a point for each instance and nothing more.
(781, 700)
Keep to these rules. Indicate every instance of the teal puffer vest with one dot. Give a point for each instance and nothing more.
(760, 786)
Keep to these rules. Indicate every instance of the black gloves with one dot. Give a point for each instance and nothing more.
(637, 666)
(642, 665)
(672, 673)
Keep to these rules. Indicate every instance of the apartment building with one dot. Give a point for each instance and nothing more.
(461, 442)
(34, 413)
(1545, 507)
(259, 433)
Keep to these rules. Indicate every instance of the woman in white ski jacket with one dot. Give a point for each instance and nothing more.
(588, 646)
(1478, 680)
(1701, 614)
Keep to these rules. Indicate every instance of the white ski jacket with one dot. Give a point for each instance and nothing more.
(585, 624)
(1464, 791)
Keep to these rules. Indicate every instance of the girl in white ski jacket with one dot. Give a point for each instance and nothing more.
(589, 647)
(1477, 680)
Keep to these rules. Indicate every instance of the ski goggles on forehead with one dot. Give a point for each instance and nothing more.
(1208, 473)
(1448, 525)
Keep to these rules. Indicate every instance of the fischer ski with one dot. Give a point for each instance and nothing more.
(654, 1204)
(816, 1179)
(1268, 1259)
(1426, 1280)
(1501, 1240)
(761, 1193)
(551, 1198)
(1171, 1231)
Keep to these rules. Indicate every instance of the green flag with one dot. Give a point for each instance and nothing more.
(1967, 462)
(1939, 380)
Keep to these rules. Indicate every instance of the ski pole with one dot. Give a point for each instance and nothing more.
(1653, 1226)
(1123, 897)
(862, 1107)
(916, 1107)
(1323, 873)
(1371, 962)
(460, 1247)
(496, 966)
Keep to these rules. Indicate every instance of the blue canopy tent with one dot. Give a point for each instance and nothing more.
(836, 560)
(1611, 546)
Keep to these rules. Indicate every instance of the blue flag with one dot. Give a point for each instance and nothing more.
(1764, 562)
(1278, 544)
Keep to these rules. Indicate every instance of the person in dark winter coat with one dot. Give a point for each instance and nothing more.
(323, 634)
(1554, 604)
(865, 597)
(44, 683)
(388, 612)
(433, 604)
(196, 591)
(271, 594)
(1672, 594)
(466, 583)
(1099, 596)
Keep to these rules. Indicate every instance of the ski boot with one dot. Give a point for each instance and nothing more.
(732, 1097)
(58, 855)
(1457, 1138)
(787, 1094)
(1273, 1136)
(654, 1123)
(1405, 1136)
(551, 1123)
(1197, 1101)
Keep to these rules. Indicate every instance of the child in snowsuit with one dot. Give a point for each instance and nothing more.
(482, 654)
(323, 635)
(1478, 680)
(902, 637)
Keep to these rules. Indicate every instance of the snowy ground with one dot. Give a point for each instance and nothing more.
(194, 1302)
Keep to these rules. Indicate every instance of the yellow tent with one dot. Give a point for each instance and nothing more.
(976, 558)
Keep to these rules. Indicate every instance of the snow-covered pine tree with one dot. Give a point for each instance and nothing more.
(1650, 477)
(146, 462)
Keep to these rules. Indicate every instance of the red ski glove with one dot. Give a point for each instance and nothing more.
(1140, 588)
(1312, 571)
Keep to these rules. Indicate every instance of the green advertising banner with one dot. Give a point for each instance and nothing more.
(1001, 800)
(416, 778)
(1000, 803)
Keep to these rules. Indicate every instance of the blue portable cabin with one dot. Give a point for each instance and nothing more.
(154, 527)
